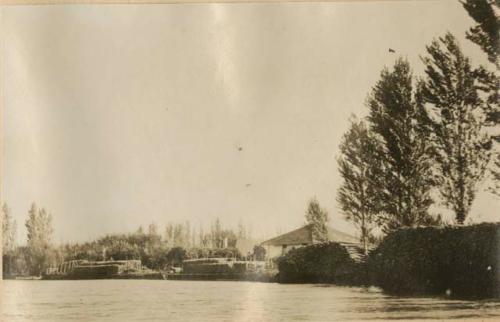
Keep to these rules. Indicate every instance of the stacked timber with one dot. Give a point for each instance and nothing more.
(83, 269)
(221, 269)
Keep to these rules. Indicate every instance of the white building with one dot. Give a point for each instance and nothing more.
(303, 236)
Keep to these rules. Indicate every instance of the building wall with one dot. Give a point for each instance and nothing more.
(273, 251)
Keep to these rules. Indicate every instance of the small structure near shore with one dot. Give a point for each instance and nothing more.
(303, 236)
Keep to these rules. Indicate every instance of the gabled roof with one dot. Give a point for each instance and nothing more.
(303, 235)
(299, 236)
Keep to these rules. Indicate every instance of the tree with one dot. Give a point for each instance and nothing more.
(259, 253)
(242, 230)
(318, 218)
(396, 122)
(360, 169)
(495, 175)
(203, 239)
(9, 227)
(179, 236)
(176, 255)
(39, 226)
(187, 234)
(169, 235)
(153, 233)
(451, 93)
(485, 33)
(216, 234)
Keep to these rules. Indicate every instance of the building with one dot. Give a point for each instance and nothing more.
(303, 236)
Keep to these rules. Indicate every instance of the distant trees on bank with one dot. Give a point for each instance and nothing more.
(155, 249)
(426, 137)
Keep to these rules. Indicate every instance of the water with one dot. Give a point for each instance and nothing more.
(143, 300)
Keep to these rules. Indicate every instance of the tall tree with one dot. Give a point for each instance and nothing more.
(179, 236)
(495, 175)
(169, 235)
(451, 93)
(318, 218)
(39, 226)
(216, 234)
(485, 35)
(187, 234)
(396, 122)
(9, 227)
(485, 32)
(242, 231)
(360, 169)
(153, 237)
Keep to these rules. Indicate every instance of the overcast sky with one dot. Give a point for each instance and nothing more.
(121, 115)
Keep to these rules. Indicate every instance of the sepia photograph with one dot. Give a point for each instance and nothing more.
(250, 161)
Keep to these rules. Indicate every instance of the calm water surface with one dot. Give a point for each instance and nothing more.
(142, 300)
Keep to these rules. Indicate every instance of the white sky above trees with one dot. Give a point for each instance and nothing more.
(116, 116)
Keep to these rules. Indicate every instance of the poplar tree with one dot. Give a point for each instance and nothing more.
(39, 227)
(485, 32)
(360, 169)
(451, 92)
(318, 218)
(485, 35)
(396, 121)
(9, 227)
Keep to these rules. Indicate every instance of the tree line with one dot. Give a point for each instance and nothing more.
(427, 140)
(155, 249)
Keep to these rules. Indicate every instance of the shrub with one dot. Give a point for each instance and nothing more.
(460, 261)
(230, 252)
(176, 255)
(259, 253)
(320, 263)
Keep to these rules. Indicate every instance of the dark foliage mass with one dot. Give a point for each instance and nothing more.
(485, 35)
(485, 32)
(319, 263)
(462, 262)
(259, 252)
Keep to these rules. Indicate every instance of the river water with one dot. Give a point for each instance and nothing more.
(143, 300)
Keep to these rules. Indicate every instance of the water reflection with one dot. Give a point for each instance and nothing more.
(135, 300)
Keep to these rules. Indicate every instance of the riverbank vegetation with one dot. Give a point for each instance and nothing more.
(454, 261)
(460, 262)
(156, 250)
(327, 262)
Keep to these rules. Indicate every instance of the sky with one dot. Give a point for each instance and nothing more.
(116, 116)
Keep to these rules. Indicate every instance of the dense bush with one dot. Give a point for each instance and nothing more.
(320, 263)
(460, 261)
(259, 253)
